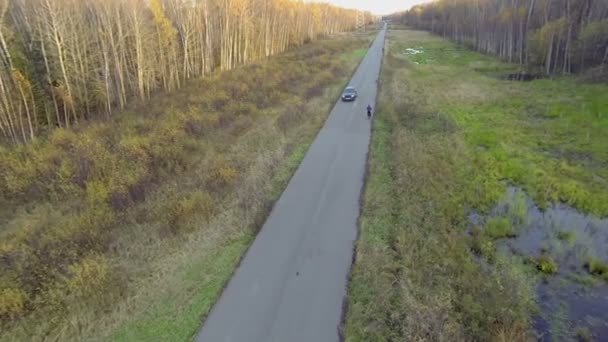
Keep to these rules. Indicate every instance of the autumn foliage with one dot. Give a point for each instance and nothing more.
(65, 61)
(548, 36)
(75, 203)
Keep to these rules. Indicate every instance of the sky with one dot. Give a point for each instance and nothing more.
(377, 6)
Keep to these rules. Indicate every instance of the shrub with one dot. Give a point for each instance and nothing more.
(12, 303)
(18, 173)
(220, 99)
(169, 148)
(195, 207)
(88, 276)
(572, 193)
(227, 175)
(221, 174)
(597, 268)
(136, 148)
(75, 235)
(210, 120)
(291, 116)
(546, 264)
(97, 192)
(63, 138)
(500, 227)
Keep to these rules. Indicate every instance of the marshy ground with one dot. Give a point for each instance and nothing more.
(482, 212)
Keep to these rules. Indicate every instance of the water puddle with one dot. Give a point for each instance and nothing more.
(573, 303)
(412, 51)
(521, 76)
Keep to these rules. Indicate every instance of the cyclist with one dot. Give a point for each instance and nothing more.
(369, 111)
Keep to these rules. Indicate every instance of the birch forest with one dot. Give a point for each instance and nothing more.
(550, 36)
(65, 61)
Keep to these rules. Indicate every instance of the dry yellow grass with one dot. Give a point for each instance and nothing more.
(171, 216)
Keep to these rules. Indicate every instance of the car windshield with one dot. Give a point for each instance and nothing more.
(349, 91)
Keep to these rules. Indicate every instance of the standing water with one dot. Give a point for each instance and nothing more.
(572, 294)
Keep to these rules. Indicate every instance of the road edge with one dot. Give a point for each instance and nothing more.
(345, 301)
(271, 205)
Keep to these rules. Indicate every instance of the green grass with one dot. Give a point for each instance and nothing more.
(545, 135)
(518, 208)
(567, 236)
(138, 223)
(176, 315)
(584, 279)
(414, 277)
(449, 137)
(357, 54)
(500, 227)
(483, 246)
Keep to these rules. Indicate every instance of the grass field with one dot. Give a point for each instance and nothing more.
(127, 230)
(449, 137)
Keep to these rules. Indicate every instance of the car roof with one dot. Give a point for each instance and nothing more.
(350, 88)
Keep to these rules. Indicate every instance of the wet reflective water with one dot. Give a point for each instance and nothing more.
(571, 300)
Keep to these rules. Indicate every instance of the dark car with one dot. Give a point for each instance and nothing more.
(349, 94)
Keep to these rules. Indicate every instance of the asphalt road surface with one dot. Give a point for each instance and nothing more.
(292, 282)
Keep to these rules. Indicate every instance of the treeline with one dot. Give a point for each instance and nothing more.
(552, 36)
(64, 61)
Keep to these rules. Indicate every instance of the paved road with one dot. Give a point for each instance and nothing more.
(291, 284)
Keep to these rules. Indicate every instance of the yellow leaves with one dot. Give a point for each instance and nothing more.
(64, 138)
(18, 173)
(166, 29)
(98, 192)
(21, 81)
(62, 92)
(12, 302)
(221, 174)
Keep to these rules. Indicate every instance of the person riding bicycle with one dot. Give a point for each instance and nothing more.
(369, 111)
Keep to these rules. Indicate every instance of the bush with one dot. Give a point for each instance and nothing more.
(88, 276)
(18, 173)
(12, 303)
(59, 244)
(95, 176)
(546, 264)
(500, 227)
(221, 174)
(597, 268)
(291, 116)
(196, 207)
(227, 175)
